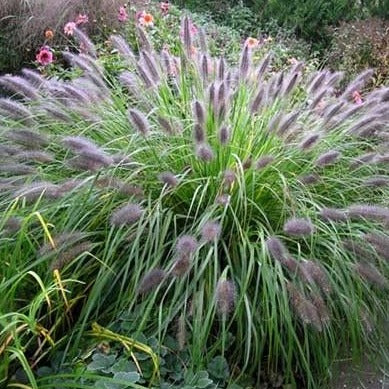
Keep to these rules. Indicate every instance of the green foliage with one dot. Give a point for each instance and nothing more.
(150, 199)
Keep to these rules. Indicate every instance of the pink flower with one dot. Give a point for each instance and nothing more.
(251, 42)
(123, 15)
(357, 98)
(44, 56)
(82, 19)
(69, 28)
(146, 19)
(164, 7)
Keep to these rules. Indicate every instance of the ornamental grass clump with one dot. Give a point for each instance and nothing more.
(228, 196)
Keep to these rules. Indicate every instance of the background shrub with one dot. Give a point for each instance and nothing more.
(361, 44)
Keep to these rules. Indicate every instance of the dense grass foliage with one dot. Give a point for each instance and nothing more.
(244, 211)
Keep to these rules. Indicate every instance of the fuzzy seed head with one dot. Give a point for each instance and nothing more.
(276, 249)
(299, 227)
(224, 135)
(264, 161)
(333, 215)
(327, 158)
(151, 280)
(139, 121)
(186, 245)
(210, 231)
(168, 179)
(126, 215)
(204, 152)
(225, 297)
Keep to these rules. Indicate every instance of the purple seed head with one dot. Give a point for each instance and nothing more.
(221, 69)
(277, 249)
(127, 214)
(67, 256)
(264, 161)
(327, 158)
(224, 135)
(380, 242)
(223, 200)
(204, 152)
(199, 133)
(181, 265)
(143, 40)
(304, 308)
(151, 280)
(309, 141)
(16, 169)
(225, 297)
(376, 181)
(120, 44)
(210, 231)
(299, 227)
(309, 179)
(187, 38)
(168, 179)
(186, 245)
(12, 225)
(150, 65)
(371, 274)
(367, 211)
(87, 44)
(139, 121)
(229, 177)
(145, 76)
(28, 138)
(245, 62)
(198, 112)
(333, 215)
(257, 101)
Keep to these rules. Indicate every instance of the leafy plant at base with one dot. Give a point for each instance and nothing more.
(227, 205)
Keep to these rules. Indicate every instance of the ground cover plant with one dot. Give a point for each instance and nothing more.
(242, 211)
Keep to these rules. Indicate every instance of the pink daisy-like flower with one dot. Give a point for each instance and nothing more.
(82, 19)
(123, 15)
(44, 56)
(251, 42)
(69, 28)
(146, 19)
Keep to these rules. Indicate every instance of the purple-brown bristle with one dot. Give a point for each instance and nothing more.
(370, 273)
(277, 249)
(126, 215)
(151, 280)
(151, 65)
(139, 121)
(225, 297)
(305, 309)
(224, 135)
(168, 179)
(210, 231)
(186, 245)
(309, 141)
(327, 158)
(333, 214)
(181, 265)
(229, 177)
(199, 112)
(299, 227)
(380, 242)
(264, 161)
(65, 257)
(204, 152)
(374, 212)
(120, 44)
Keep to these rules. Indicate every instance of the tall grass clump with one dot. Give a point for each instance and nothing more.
(227, 199)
